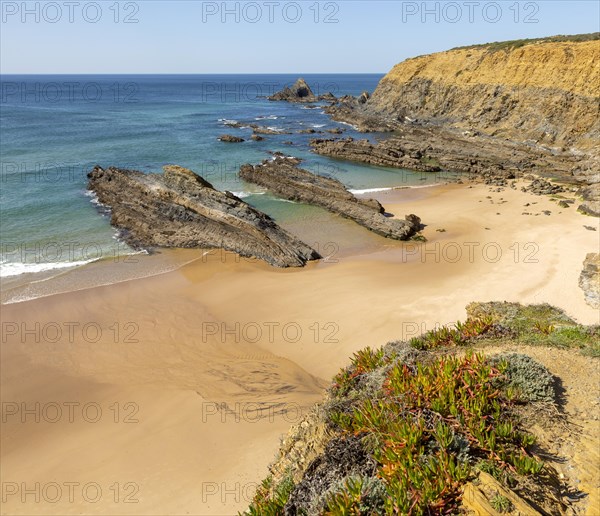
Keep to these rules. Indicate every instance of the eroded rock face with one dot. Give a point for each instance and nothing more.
(282, 176)
(180, 209)
(589, 279)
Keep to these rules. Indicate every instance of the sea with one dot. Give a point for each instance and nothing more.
(55, 129)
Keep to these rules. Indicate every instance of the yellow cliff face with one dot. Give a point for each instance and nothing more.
(573, 67)
(546, 91)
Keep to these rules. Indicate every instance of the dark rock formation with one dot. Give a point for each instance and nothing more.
(589, 280)
(256, 137)
(435, 149)
(300, 92)
(591, 200)
(385, 154)
(228, 138)
(542, 187)
(180, 209)
(282, 176)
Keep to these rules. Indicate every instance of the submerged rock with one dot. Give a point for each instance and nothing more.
(282, 176)
(228, 138)
(180, 209)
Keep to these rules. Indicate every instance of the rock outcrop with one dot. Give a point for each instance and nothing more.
(229, 138)
(300, 92)
(589, 280)
(282, 176)
(429, 149)
(180, 209)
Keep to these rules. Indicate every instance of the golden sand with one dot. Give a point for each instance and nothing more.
(197, 372)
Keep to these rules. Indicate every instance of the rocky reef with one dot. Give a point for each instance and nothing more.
(180, 209)
(282, 176)
(300, 91)
(589, 279)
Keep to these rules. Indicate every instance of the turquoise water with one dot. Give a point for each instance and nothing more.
(56, 128)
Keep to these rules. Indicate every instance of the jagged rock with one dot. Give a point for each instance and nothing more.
(180, 209)
(282, 176)
(228, 138)
(589, 279)
(335, 130)
(591, 200)
(542, 187)
(364, 96)
(256, 137)
(300, 92)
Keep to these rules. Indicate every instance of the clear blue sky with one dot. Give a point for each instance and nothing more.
(193, 37)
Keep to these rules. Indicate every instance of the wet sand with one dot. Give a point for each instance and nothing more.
(198, 371)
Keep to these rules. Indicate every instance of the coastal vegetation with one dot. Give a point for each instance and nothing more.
(410, 427)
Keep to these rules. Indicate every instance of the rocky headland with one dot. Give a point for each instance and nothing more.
(282, 176)
(497, 110)
(180, 209)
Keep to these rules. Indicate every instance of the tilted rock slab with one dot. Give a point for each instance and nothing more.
(282, 176)
(180, 209)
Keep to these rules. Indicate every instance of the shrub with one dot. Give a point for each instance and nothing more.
(529, 378)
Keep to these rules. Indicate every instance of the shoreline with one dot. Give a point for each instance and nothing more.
(260, 342)
(160, 261)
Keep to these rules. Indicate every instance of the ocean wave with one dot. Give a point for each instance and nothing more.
(317, 126)
(347, 123)
(268, 117)
(371, 190)
(94, 198)
(242, 195)
(10, 269)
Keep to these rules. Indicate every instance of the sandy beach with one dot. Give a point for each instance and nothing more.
(168, 394)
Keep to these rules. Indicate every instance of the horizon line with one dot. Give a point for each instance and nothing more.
(202, 73)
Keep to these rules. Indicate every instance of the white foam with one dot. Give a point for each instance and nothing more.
(369, 190)
(347, 123)
(242, 195)
(8, 269)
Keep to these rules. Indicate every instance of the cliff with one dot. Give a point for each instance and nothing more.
(544, 90)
